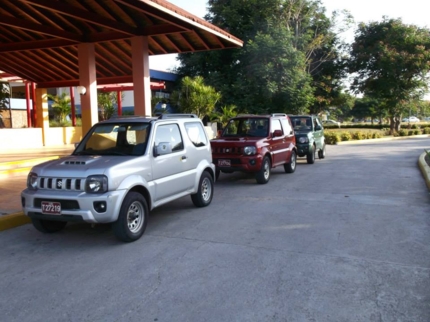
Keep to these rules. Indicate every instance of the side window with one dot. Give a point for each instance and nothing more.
(196, 133)
(286, 124)
(170, 133)
(276, 125)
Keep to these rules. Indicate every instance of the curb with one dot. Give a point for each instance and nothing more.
(13, 220)
(425, 169)
(423, 136)
(21, 167)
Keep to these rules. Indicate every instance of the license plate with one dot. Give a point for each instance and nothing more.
(224, 163)
(51, 208)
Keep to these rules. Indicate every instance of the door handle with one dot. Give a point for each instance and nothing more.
(184, 157)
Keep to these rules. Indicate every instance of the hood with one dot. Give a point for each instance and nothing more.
(80, 166)
(243, 141)
(299, 134)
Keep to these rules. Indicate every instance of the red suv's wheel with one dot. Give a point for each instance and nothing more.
(263, 175)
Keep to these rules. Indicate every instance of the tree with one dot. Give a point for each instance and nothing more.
(344, 103)
(106, 104)
(289, 53)
(391, 60)
(227, 112)
(368, 107)
(4, 101)
(196, 97)
(4, 96)
(61, 105)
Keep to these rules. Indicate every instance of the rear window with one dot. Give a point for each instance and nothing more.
(196, 133)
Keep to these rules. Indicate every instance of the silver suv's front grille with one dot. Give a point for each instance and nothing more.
(68, 184)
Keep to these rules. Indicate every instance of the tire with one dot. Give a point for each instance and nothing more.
(48, 226)
(291, 167)
(263, 175)
(132, 219)
(205, 192)
(310, 157)
(322, 153)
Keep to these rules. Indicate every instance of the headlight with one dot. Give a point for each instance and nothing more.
(250, 150)
(304, 139)
(32, 181)
(96, 184)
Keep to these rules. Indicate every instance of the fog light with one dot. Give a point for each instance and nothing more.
(100, 206)
(252, 162)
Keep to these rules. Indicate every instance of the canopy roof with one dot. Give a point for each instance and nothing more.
(39, 38)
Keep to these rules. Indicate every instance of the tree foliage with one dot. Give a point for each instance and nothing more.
(224, 115)
(289, 54)
(4, 96)
(107, 102)
(61, 105)
(196, 97)
(368, 107)
(392, 64)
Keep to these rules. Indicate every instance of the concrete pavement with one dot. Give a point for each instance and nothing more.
(14, 167)
(13, 180)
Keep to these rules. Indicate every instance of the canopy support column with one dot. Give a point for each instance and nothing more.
(42, 113)
(141, 78)
(87, 79)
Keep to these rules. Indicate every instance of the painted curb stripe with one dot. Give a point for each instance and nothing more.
(13, 220)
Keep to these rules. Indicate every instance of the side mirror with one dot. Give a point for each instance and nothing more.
(318, 128)
(277, 133)
(162, 148)
(218, 133)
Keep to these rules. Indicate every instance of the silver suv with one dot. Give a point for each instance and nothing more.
(123, 168)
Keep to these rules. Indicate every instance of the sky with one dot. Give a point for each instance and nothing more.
(415, 12)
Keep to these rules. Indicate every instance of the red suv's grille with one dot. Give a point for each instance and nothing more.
(228, 150)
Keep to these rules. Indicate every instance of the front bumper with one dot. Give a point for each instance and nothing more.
(250, 163)
(75, 206)
(303, 149)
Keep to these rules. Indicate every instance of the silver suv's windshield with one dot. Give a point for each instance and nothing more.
(301, 123)
(115, 139)
(250, 127)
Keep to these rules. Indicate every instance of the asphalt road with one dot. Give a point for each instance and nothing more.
(345, 239)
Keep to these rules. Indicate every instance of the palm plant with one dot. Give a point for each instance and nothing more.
(61, 105)
(226, 113)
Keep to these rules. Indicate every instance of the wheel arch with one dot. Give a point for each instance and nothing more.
(144, 192)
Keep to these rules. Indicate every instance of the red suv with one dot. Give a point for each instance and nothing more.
(255, 144)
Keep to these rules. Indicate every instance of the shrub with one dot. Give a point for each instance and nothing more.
(415, 126)
(417, 132)
(56, 123)
(403, 132)
(426, 130)
(376, 135)
(410, 132)
(345, 136)
(332, 137)
(358, 135)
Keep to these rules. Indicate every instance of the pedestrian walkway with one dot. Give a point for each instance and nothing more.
(14, 167)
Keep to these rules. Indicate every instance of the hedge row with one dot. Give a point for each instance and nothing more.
(332, 137)
(374, 126)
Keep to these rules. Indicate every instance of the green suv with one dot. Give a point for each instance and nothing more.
(309, 134)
